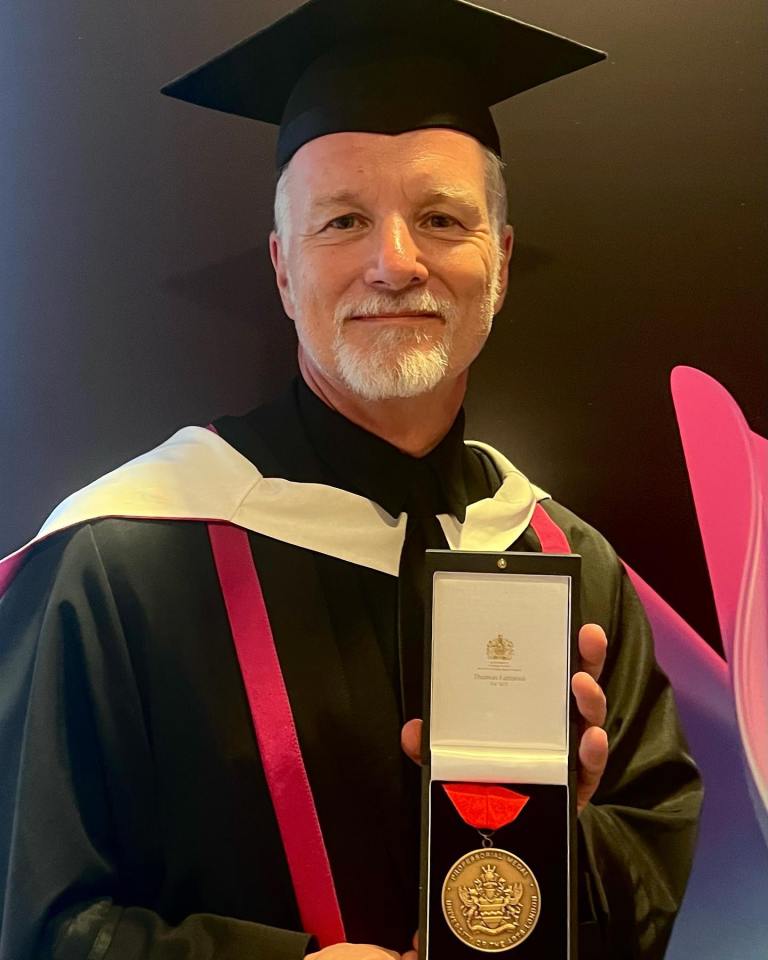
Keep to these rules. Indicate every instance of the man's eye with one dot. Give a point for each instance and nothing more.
(441, 220)
(345, 222)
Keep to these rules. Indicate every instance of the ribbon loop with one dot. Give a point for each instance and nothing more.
(485, 807)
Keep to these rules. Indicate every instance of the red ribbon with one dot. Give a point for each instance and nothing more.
(485, 807)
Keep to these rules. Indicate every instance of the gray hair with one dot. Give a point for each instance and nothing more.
(495, 193)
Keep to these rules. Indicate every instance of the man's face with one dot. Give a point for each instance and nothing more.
(388, 263)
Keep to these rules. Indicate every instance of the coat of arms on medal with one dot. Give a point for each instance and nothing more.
(491, 905)
(499, 648)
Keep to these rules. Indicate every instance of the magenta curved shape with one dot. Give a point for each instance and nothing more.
(728, 469)
(698, 675)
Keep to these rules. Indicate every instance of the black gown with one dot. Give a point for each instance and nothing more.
(135, 821)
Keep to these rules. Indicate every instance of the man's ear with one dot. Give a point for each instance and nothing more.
(277, 256)
(507, 243)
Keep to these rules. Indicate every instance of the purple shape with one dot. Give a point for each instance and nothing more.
(723, 916)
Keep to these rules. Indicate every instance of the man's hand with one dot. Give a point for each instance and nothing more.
(414, 953)
(590, 701)
(353, 951)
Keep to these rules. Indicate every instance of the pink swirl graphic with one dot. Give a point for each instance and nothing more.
(728, 469)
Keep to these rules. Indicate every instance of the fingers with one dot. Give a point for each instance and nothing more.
(354, 951)
(410, 739)
(413, 954)
(591, 704)
(593, 644)
(590, 699)
(593, 756)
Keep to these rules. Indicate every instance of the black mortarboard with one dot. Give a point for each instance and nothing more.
(381, 66)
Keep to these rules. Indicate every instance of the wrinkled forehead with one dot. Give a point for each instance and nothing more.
(419, 161)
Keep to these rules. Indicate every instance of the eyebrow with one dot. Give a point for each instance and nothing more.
(338, 199)
(463, 198)
(457, 195)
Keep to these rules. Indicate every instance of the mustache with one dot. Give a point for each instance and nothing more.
(413, 301)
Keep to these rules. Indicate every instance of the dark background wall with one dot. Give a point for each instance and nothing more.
(137, 293)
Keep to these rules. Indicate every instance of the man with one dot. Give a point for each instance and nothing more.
(143, 813)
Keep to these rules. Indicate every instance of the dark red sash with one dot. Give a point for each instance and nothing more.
(276, 735)
(551, 537)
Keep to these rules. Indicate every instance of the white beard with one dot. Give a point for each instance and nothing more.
(394, 361)
(399, 361)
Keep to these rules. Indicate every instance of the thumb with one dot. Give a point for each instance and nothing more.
(410, 739)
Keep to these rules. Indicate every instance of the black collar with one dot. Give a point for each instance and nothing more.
(365, 464)
(297, 437)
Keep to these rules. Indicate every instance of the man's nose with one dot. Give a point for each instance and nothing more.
(397, 261)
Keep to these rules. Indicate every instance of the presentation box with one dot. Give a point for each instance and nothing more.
(498, 849)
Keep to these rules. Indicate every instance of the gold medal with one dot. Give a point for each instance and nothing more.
(491, 900)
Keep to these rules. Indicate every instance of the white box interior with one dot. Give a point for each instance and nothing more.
(499, 712)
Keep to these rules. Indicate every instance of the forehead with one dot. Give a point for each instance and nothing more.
(420, 159)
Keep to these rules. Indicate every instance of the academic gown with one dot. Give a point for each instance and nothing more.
(135, 819)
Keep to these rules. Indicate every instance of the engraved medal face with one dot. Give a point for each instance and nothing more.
(491, 900)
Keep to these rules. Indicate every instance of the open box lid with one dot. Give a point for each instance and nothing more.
(501, 630)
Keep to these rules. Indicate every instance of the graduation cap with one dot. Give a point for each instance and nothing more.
(381, 66)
